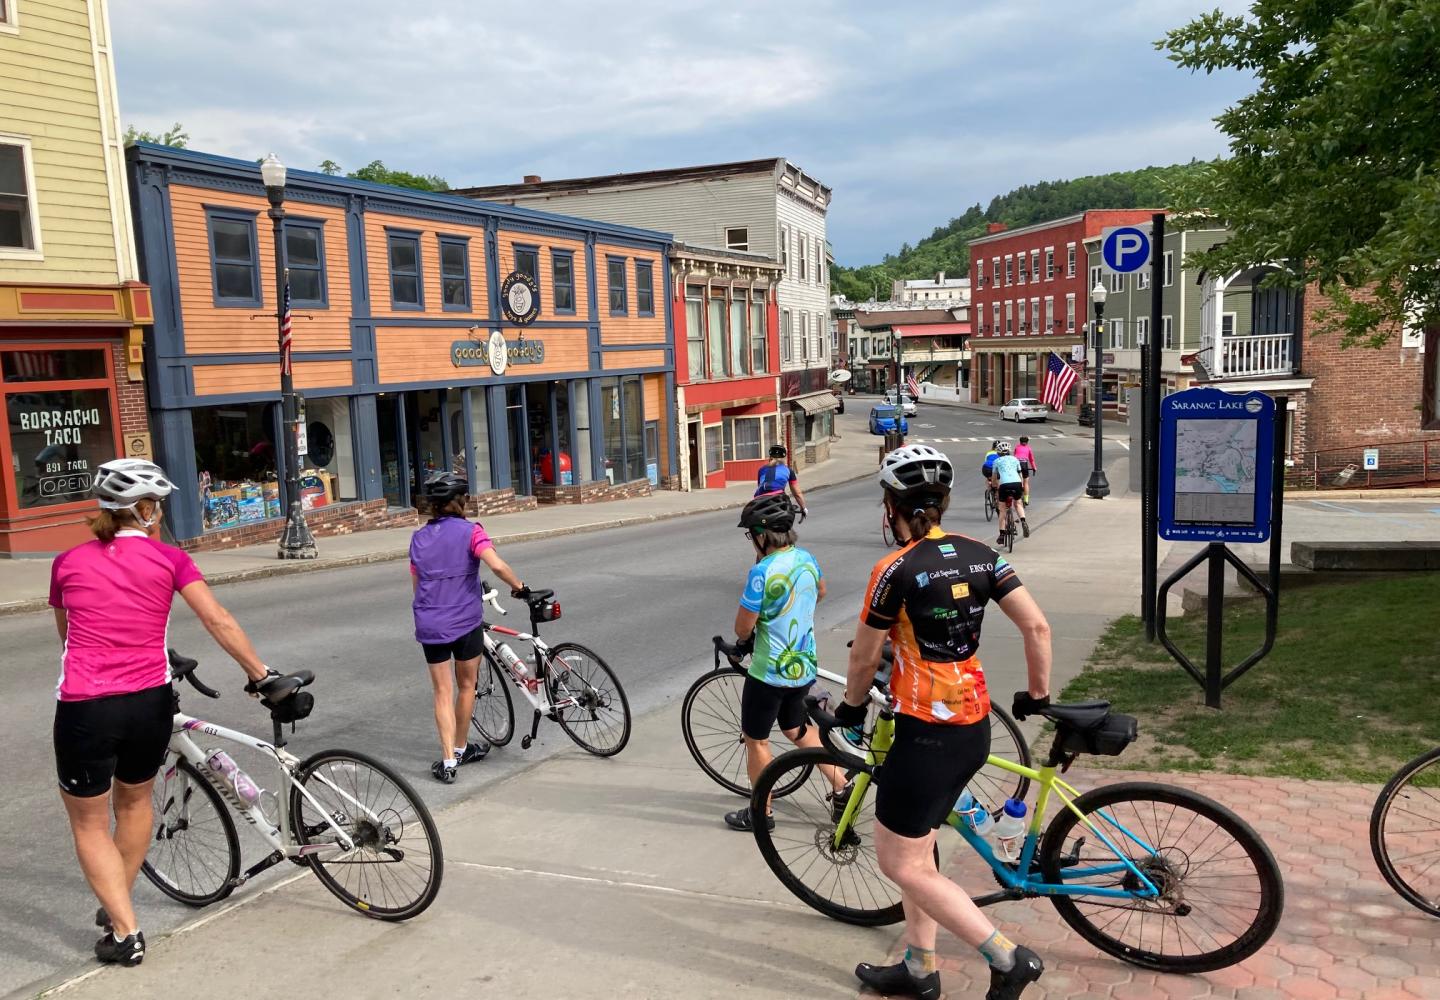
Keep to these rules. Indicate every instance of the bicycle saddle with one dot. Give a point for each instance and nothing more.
(288, 685)
(1079, 715)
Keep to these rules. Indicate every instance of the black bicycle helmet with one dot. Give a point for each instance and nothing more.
(768, 512)
(442, 487)
(778, 451)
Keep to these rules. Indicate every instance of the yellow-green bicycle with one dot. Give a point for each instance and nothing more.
(1156, 875)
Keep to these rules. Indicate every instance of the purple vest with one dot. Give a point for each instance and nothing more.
(447, 600)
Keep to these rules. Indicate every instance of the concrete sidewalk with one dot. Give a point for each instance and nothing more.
(24, 583)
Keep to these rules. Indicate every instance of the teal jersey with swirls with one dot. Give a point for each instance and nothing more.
(783, 588)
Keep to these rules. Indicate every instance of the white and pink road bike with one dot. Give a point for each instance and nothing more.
(357, 824)
(568, 684)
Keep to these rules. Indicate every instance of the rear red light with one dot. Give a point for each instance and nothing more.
(556, 612)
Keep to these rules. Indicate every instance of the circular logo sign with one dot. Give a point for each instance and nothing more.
(1253, 406)
(499, 352)
(520, 298)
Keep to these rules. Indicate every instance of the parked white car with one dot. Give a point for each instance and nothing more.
(909, 408)
(1024, 409)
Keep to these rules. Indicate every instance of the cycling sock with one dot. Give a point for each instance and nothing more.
(920, 961)
(999, 951)
(459, 754)
(450, 763)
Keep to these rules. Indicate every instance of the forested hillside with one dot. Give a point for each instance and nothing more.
(947, 248)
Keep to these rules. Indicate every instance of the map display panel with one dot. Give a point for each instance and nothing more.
(1215, 471)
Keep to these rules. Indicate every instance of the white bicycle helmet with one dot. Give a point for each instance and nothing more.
(916, 466)
(1002, 448)
(123, 482)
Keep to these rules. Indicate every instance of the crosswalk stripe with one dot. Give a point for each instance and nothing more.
(958, 440)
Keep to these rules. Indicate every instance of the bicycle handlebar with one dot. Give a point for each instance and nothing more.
(183, 668)
(491, 597)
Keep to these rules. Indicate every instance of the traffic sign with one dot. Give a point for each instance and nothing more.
(1124, 249)
(1372, 459)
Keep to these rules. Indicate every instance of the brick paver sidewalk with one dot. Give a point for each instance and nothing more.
(1344, 934)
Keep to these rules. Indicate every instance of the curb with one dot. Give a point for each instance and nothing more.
(1400, 493)
(389, 555)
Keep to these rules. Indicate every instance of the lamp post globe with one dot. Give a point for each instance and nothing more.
(1098, 486)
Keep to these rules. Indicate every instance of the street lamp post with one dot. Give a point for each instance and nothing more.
(1098, 487)
(296, 542)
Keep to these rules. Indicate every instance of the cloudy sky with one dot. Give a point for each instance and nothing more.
(910, 110)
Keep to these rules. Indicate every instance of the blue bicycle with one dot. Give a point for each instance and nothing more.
(1152, 874)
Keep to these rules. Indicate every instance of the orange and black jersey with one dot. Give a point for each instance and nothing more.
(931, 597)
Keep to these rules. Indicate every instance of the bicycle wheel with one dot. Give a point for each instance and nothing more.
(885, 534)
(393, 870)
(587, 700)
(989, 506)
(993, 785)
(494, 714)
(1403, 829)
(710, 722)
(194, 856)
(1220, 890)
(845, 884)
(1010, 535)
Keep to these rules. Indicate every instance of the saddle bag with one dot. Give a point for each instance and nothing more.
(1106, 738)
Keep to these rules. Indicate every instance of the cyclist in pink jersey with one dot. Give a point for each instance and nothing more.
(1026, 455)
(112, 599)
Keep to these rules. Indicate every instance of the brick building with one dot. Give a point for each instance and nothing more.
(1029, 296)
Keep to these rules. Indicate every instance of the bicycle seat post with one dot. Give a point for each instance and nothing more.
(279, 740)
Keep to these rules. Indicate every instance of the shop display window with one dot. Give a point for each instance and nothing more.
(622, 426)
(235, 453)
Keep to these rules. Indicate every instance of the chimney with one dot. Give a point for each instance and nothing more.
(532, 178)
(939, 277)
(991, 228)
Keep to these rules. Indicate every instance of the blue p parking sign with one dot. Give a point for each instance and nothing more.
(1125, 249)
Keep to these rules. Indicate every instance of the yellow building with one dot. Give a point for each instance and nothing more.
(70, 305)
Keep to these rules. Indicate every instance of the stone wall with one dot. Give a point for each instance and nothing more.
(592, 492)
(332, 519)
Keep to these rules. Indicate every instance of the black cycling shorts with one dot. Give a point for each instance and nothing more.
(927, 768)
(1012, 491)
(467, 647)
(121, 737)
(762, 705)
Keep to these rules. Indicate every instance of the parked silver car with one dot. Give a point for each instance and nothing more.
(909, 408)
(1024, 409)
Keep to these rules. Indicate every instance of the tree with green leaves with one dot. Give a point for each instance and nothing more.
(329, 168)
(1335, 158)
(175, 136)
(377, 172)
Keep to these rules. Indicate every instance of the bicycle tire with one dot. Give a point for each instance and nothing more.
(1400, 789)
(163, 873)
(990, 509)
(1181, 889)
(710, 723)
(885, 534)
(993, 785)
(803, 840)
(386, 834)
(1010, 535)
(493, 716)
(592, 698)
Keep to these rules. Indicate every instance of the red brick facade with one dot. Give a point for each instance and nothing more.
(129, 396)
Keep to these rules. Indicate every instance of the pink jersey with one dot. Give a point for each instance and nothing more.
(1025, 455)
(117, 601)
(479, 544)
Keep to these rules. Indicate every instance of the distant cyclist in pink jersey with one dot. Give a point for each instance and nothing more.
(1026, 455)
(112, 599)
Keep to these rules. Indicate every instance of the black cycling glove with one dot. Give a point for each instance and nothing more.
(265, 686)
(1026, 705)
(848, 715)
(521, 593)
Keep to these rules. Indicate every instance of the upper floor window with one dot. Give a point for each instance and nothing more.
(804, 257)
(1049, 263)
(1034, 265)
(615, 270)
(7, 16)
(737, 239)
(562, 280)
(1094, 279)
(455, 273)
(305, 257)
(1167, 328)
(18, 225)
(527, 261)
(1169, 268)
(1070, 313)
(785, 250)
(995, 270)
(1070, 260)
(1009, 270)
(406, 291)
(644, 288)
(1142, 278)
(234, 259)
(1117, 282)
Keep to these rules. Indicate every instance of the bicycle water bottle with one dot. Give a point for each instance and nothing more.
(977, 817)
(1010, 829)
(512, 660)
(221, 763)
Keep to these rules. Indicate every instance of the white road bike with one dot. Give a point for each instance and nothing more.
(569, 684)
(354, 822)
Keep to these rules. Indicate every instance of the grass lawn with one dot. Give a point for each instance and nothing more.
(1350, 691)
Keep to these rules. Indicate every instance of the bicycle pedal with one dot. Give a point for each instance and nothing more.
(1073, 858)
(525, 742)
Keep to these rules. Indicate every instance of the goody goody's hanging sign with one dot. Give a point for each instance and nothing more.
(1216, 466)
(520, 298)
(1124, 249)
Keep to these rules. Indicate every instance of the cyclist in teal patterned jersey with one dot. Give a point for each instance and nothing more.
(776, 624)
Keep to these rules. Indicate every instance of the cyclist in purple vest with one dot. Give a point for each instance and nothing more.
(445, 557)
(776, 477)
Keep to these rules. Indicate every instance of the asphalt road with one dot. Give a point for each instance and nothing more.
(646, 598)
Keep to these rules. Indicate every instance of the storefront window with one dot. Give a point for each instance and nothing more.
(57, 439)
(235, 456)
(610, 430)
(562, 434)
(330, 446)
(622, 427)
(634, 405)
(52, 366)
(714, 459)
(582, 430)
(742, 439)
(480, 434)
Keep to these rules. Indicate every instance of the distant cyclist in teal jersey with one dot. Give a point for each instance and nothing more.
(775, 477)
(1009, 475)
(776, 622)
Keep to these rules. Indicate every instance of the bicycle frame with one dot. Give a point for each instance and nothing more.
(541, 703)
(277, 835)
(1019, 880)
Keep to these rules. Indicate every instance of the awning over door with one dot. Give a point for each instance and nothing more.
(815, 402)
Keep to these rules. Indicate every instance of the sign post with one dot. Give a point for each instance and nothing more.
(1221, 479)
(1151, 392)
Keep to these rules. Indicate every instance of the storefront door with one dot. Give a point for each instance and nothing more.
(697, 455)
(394, 456)
(519, 440)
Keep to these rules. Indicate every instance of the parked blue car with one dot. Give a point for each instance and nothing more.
(885, 418)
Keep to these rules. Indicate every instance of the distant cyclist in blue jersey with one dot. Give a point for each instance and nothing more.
(1009, 475)
(775, 477)
(990, 457)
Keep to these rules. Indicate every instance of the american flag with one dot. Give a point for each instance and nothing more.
(913, 386)
(285, 333)
(1059, 377)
